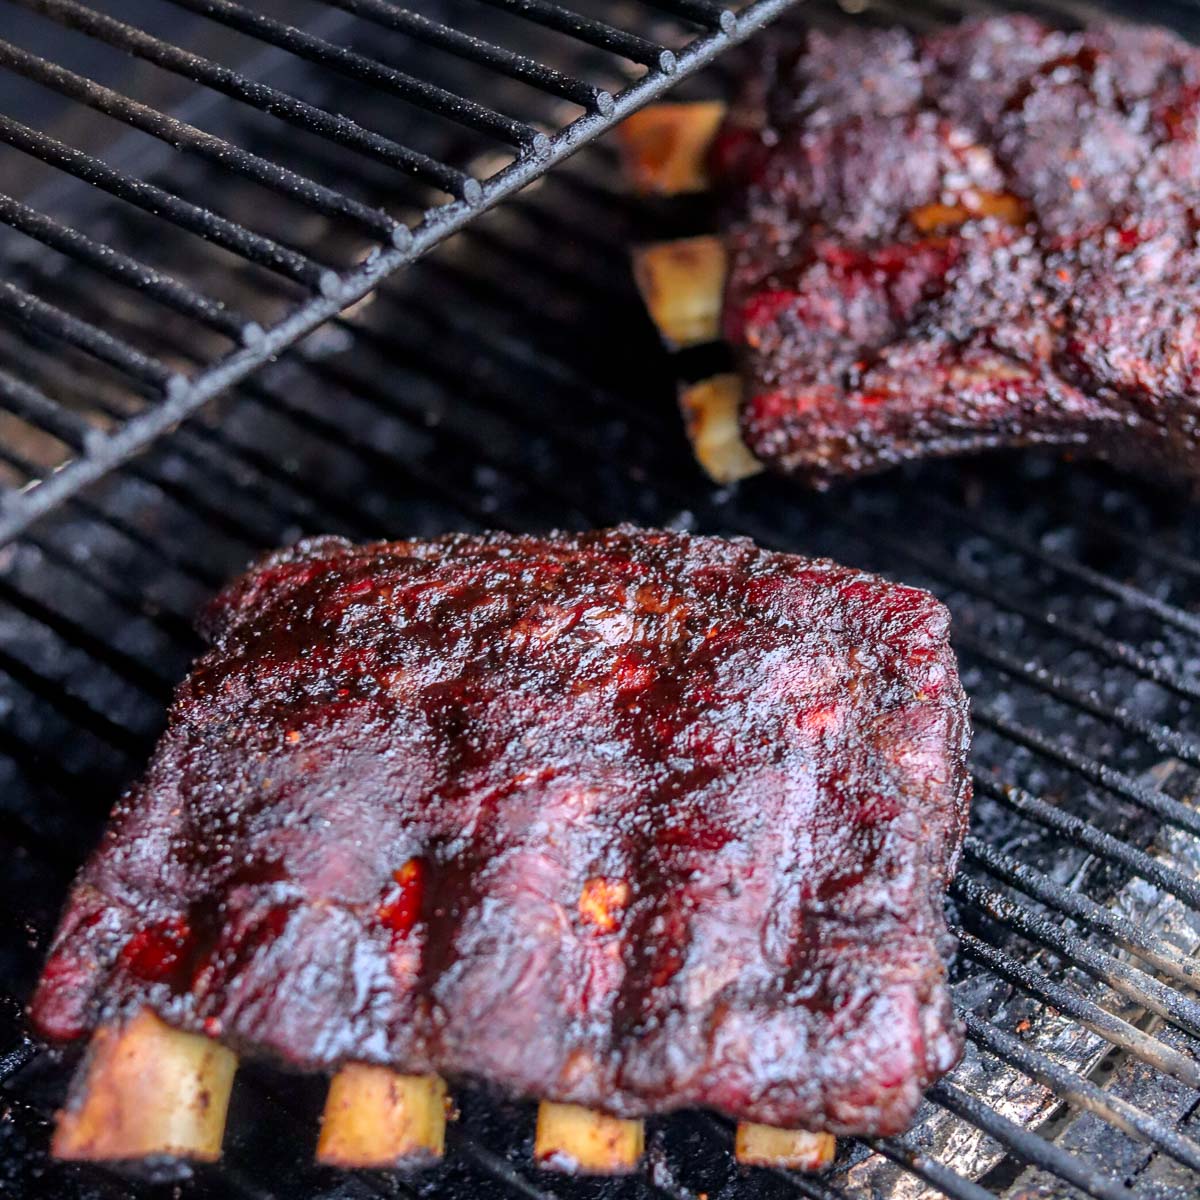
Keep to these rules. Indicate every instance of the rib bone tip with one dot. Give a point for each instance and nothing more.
(795, 1149)
(147, 1091)
(376, 1117)
(579, 1140)
(710, 412)
(664, 147)
(682, 283)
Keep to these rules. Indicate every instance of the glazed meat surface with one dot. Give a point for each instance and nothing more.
(985, 236)
(633, 819)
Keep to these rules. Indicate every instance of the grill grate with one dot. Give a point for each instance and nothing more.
(332, 245)
(457, 400)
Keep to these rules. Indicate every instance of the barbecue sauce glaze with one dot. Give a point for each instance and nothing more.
(633, 819)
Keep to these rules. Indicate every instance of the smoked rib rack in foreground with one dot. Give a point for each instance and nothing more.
(627, 820)
(931, 245)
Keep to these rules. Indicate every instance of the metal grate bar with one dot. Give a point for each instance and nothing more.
(427, 480)
(172, 624)
(407, 87)
(339, 129)
(1029, 1147)
(210, 511)
(476, 50)
(496, 1166)
(1112, 1028)
(181, 135)
(164, 288)
(222, 463)
(166, 551)
(1162, 737)
(1083, 1093)
(1167, 807)
(47, 319)
(30, 404)
(1132, 597)
(594, 33)
(1116, 651)
(1085, 834)
(703, 12)
(152, 680)
(12, 1061)
(208, 225)
(78, 711)
(1146, 546)
(1071, 903)
(1131, 982)
(308, 490)
(437, 223)
(929, 1169)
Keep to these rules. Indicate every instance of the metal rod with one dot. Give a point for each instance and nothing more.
(419, 92)
(476, 50)
(52, 321)
(266, 99)
(69, 706)
(121, 267)
(437, 224)
(1129, 595)
(1030, 1147)
(114, 588)
(1162, 737)
(1117, 782)
(155, 681)
(1083, 1093)
(1087, 835)
(1152, 950)
(1145, 545)
(1099, 1020)
(1128, 981)
(594, 33)
(937, 564)
(38, 409)
(946, 1180)
(183, 136)
(208, 225)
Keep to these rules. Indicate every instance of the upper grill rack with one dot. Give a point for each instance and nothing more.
(477, 74)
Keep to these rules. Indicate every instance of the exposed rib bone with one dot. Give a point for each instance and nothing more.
(682, 283)
(710, 411)
(147, 1090)
(376, 1117)
(765, 1146)
(581, 1141)
(664, 148)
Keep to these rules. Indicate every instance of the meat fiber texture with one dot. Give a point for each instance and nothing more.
(984, 236)
(633, 819)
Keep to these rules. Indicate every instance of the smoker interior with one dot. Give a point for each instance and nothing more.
(511, 380)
